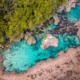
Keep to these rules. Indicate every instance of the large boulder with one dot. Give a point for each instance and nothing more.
(68, 8)
(29, 38)
(49, 40)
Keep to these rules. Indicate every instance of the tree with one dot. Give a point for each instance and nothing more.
(17, 15)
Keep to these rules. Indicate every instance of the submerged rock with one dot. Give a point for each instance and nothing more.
(78, 4)
(48, 41)
(29, 38)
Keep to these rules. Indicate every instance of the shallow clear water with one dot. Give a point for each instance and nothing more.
(20, 56)
(74, 14)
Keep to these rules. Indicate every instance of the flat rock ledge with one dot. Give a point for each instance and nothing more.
(49, 40)
(29, 38)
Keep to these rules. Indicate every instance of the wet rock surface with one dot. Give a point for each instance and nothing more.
(65, 26)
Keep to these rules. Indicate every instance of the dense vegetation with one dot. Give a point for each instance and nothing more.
(17, 15)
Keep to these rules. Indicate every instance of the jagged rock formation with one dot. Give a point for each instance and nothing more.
(29, 38)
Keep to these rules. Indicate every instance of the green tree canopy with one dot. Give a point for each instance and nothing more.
(16, 15)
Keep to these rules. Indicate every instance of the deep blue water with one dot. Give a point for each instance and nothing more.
(20, 56)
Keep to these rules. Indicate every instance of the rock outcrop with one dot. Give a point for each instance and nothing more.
(29, 38)
(49, 40)
(56, 19)
(70, 4)
(77, 24)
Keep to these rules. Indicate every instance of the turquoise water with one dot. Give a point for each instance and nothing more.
(74, 14)
(20, 56)
(50, 27)
(0, 51)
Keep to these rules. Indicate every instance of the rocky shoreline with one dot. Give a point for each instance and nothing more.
(50, 40)
(38, 72)
(64, 67)
(63, 25)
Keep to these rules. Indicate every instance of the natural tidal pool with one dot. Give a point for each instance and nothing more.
(20, 56)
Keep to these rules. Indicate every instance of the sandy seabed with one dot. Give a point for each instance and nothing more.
(65, 67)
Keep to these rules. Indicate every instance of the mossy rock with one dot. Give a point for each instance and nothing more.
(44, 38)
